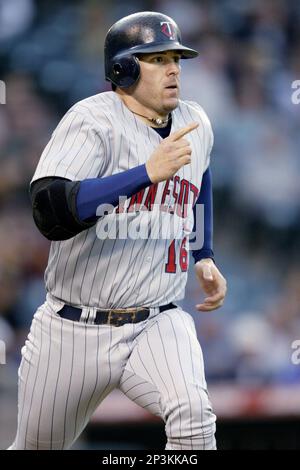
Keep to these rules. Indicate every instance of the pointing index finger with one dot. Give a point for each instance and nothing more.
(183, 131)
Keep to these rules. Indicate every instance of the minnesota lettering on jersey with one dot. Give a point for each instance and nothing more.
(165, 214)
(98, 137)
(173, 200)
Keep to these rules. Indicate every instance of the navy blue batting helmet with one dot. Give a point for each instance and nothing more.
(140, 33)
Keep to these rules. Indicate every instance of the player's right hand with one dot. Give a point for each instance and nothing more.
(171, 154)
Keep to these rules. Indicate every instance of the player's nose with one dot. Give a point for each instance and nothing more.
(173, 68)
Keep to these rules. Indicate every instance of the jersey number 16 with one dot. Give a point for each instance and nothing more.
(183, 257)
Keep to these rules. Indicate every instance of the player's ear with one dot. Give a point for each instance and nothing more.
(125, 71)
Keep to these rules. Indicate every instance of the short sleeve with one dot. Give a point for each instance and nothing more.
(209, 144)
(76, 150)
(208, 132)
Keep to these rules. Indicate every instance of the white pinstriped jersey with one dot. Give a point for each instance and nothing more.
(99, 137)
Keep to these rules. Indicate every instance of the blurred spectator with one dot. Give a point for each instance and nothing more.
(15, 17)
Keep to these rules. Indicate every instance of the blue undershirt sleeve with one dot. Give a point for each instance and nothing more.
(95, 191)
(205, 198)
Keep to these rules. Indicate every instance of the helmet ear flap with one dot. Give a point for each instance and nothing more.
(125, 71)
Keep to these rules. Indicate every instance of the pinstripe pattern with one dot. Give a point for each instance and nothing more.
(44, 385)
(68, 368)
(201, 376)
(35, 383)
(91, 142)
(72, 345)
(82, 385)
(172, 379)
(90, 407)
(56, 381)
(86, 364)
(179, 358)
(55, 139)
(160, 377)
(24, 385)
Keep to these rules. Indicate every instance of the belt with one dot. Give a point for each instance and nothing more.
(117, 317)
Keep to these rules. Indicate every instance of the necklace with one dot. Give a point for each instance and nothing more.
(157, 121)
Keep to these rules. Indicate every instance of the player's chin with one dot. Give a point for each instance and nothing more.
(170, 98)
(170, 104)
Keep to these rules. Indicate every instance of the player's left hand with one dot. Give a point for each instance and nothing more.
(212, 283)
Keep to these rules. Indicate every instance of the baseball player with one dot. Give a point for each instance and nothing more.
(110, 318)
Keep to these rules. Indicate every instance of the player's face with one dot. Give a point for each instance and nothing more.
(158, 87)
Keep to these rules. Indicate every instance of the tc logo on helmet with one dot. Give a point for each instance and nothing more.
(168, 29)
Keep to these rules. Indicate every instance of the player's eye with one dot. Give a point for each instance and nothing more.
(161, 59)
(158, 59)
